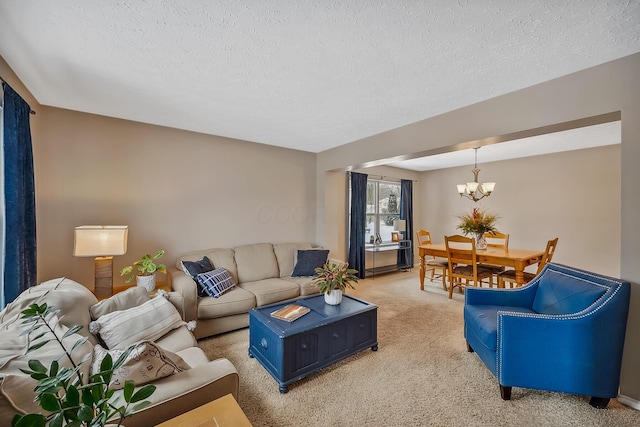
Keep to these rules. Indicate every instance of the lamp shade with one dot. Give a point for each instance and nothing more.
(400, 225)
(100, 240)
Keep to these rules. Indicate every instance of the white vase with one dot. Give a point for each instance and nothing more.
(147, 282)
(334, 297)
(481, 242)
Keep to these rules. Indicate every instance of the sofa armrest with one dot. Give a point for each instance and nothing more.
(187, 289)
(187, 390)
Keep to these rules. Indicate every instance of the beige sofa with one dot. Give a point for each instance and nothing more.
(262, 273)
(201, 382)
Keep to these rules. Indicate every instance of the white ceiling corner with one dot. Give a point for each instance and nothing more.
(308, 75)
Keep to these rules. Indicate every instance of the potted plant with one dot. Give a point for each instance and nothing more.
(477, 223)
(64, 393)
(333, 280)
(146, 274)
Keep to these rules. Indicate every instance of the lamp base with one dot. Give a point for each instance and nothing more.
(103, 281)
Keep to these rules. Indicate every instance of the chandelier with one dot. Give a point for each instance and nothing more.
(474, 190)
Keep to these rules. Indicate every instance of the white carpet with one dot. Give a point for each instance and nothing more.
(422, 375)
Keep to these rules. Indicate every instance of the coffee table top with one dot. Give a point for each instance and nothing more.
(321, 313)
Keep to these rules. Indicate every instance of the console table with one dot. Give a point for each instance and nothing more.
(402, 245)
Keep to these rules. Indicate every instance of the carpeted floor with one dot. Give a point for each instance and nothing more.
(422, 375)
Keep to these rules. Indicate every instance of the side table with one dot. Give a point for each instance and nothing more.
(222, 412)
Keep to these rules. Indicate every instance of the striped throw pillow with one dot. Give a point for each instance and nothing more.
(215, 282)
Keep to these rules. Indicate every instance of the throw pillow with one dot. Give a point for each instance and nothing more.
(147, 362)
(308, 261)
(193, 268)
(146, 322)
(215, 282)
(132, 297)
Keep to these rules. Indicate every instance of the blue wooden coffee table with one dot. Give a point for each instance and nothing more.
(327, 334)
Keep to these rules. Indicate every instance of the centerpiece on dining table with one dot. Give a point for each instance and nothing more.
(477, 223)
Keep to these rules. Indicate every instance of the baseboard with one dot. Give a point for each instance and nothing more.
(625, 400)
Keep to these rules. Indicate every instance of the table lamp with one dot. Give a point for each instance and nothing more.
(401, 226)
(102, 242)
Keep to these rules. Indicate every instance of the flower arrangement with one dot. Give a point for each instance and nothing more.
(332, 276)
(478, 222)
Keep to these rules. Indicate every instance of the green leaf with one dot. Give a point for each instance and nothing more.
(138, 406)
(106, 364)
(80, 342)
(37, 346)
(72, 396)
(49, 402)
(72, 331)
(85, 413)
(37, 366)
(87, 397)
(141, 394)
(53, 369)
(29, 420)
(56, 420)
(129, 387)
(158, 254)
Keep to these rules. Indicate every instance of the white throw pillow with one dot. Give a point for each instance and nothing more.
(146, 322)
(147, 362)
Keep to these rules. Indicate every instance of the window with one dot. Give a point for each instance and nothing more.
(383, 208)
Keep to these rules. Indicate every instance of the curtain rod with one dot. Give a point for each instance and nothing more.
(30, 109)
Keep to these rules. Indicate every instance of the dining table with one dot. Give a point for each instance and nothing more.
(518, 259)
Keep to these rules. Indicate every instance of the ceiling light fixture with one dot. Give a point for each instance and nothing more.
(473, 190)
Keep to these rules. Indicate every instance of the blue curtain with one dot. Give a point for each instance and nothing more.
(19, 246)
(406, 212)
(358, 222)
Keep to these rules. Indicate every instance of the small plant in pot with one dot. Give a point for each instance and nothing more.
(146, 271)
(333, 279)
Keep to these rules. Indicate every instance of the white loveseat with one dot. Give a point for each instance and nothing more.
(201, 382)
(262, 273)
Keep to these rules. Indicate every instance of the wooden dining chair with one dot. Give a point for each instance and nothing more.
(463, 267)
(434, 264)
(500, 241)
(510, 275)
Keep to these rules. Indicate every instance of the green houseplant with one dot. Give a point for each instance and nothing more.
(477, 223)
(333, 279)
(70, 398)
(146, 269)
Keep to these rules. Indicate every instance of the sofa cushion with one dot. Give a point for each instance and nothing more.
(482, 321)
(146, 322)
(236, 301)
(215, 282)
(256, 262)
(308, 260)
(285, 253)
(147, 362)
(559, 293)
(268, 291)
(306, 285)
(132, 297)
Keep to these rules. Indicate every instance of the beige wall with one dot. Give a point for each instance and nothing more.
(607, 88)
(574, 196)
(176, 190)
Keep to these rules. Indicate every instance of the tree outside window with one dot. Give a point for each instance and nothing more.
(383, 208)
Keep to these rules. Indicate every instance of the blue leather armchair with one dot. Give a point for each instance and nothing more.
(563, 331)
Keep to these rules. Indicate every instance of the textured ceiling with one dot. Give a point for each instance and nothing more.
(309, 75)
